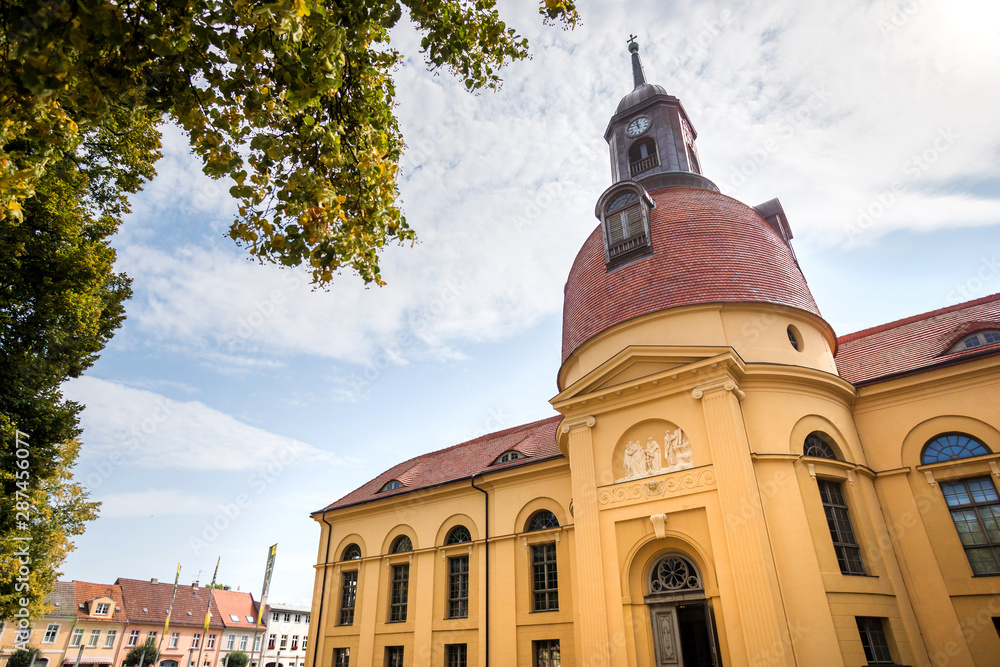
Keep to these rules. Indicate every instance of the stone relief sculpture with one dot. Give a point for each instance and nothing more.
(639, 461)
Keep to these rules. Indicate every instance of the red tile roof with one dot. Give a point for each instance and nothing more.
(536, 440)
(84, 592)
(916, 343)
(62, 600)
(707, 248)
(239, 604)
(140, 595)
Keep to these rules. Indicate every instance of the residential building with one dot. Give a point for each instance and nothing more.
(146, 604)
(50, 634)
(287, 636)
(725, 480)
(238, 613)
(96, 637)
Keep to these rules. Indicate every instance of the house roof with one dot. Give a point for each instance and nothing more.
(84, 591)
(147, 602)
(63, 600)
(536, 440)
(916, 343)
(707, 248)
(239, 604)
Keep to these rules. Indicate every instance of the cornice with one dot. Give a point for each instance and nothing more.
(929, 384)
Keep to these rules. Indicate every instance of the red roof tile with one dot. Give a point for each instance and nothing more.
(536, 440)
(239, 604)
(189, 605)
(916, 343)
(707, 248)
(84, 592)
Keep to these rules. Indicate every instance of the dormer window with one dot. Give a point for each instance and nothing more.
(391, 485)
(508, 456)
(642, 156)
(102, 608)
(624, 212)
(978, 339)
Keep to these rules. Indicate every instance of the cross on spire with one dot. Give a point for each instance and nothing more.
(638, 76)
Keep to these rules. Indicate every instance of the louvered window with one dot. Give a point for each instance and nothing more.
(625, 229)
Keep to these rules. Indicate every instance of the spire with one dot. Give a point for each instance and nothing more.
(637, 74)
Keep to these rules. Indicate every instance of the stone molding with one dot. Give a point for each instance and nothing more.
(672, 484)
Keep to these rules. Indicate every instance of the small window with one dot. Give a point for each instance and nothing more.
(547, 653)
(817, 445)
(458, 535)
(795, 338)
(102, 608)
(873, 640)
(542, 520)
(401, 545)
(133, 638)
(275, 617)
(351, 552)
(196, 640)
(341, 657)
(234, 617)
(250, 619)
(391, 485)
(283, 644)
(978, 339)
(508, 456)
(95, 637)
(544, 577)
(288, 618)
(295, 642)
(298, 618)
(230, 642)
(271, 639)
(624, 226)
(109, 639)
(243, 642)
(50, 634)
(211, 642)
(457, 655)
(348, 597)
(393, 656)
(77, 637)
(951, 447)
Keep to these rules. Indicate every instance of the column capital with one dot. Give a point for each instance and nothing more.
(569, 424)
(723, 385)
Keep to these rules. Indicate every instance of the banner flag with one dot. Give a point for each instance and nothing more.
(211, 589)
(170, 609)
(271, 553)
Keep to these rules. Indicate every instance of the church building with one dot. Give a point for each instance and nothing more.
(726, 481)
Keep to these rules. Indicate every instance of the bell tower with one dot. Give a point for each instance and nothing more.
(651, 138)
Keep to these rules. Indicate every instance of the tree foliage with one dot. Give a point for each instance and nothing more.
(291, 99)
(22, 657)
(60, 303)
(145, 652)
(237, 659)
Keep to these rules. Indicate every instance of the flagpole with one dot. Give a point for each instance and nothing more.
(170, 609)
(208, 614)
(272, 553)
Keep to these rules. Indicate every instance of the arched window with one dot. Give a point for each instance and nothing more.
(510, 455)
(351, 552)
(457, 535)
(951, 447)
(674, 573)
(978, 339)
(816, 444)
(401, 545)
(642, 156)
(542, 520)
(391, 485)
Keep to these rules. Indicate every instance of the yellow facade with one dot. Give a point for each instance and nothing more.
(724, 495)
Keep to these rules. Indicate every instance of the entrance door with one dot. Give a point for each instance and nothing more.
(666, 636)
(683, 627)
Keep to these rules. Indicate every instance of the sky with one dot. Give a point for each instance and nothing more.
(236, 399)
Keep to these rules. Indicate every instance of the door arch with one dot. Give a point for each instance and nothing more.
(683, 625)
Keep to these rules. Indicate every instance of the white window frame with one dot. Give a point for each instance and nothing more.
(103, 608)
(94, 639)
(196, 640)
(283, 644)
(211, 643)
(230, 642)
(133, 639)
(54, 629)
(109, 639)
(174, 638)
(243, 642)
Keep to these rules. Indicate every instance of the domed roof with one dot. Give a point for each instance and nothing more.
(639, 95)
(707, 248)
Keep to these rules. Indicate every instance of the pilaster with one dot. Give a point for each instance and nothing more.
(765, 630)
(593, 623)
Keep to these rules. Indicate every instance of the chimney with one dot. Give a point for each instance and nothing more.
(194, 585)
(154, 580)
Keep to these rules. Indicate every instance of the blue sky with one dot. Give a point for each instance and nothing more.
(236, 400)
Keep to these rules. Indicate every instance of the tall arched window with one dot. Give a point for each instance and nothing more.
(542, 520)
(351, 552)
(818, 445)
(401, 545)
(951, 447)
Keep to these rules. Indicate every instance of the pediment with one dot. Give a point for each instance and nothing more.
(636, 363)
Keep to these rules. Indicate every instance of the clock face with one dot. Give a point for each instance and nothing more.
(638, 126)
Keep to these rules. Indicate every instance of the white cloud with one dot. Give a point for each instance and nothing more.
(154, 502)
(140, 428)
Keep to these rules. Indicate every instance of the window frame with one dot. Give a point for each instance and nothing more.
(133, 639)
(175, 637)
(874, 641)
(109, 638)
(347, 606)
(244, 639)
(210, 643)
(949, 434)
(272, 641)
(102, 609)
(342, 657)
(94, 639)
(76, 639)
(394, 656)
(231, 641)
(51, 628)
(974, 507)
(458, 587)
(544, 599)
(399, 590)
(196, 640)
(638, 244)
(838, 517)
(539, 645)
(456, 655)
